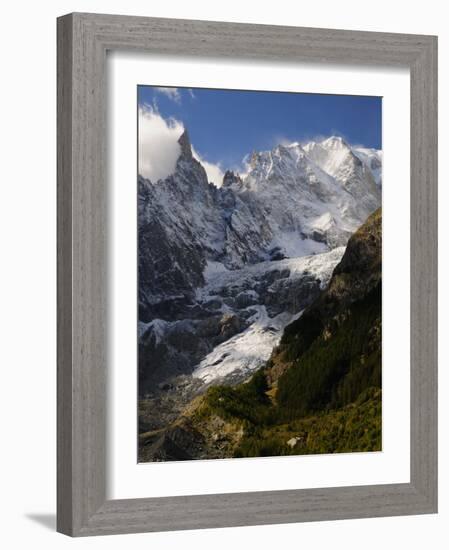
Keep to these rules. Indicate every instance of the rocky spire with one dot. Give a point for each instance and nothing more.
(230, 177)
(186, 147)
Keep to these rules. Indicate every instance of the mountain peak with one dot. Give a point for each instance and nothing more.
(334, 142)
(184, 142)
(230, 177)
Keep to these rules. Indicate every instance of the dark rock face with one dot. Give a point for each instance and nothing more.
(183, 345)
(230, 324)
(186, 147)
(168, 273)
(291, 296)
(361, 262)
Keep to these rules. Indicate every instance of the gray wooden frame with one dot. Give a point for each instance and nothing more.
(83, 40)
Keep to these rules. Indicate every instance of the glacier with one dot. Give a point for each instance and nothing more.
(247, 351)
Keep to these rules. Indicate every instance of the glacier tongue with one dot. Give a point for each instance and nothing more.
(247, 351)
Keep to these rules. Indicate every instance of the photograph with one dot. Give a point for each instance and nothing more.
(259, 273)
(222, 226)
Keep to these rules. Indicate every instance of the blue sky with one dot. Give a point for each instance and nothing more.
(226, 125)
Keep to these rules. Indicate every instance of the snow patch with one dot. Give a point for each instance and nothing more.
(214, 270)
(293, 245)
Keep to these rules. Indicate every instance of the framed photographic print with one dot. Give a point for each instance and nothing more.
(247, 282)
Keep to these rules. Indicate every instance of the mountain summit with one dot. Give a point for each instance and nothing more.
(186, 146)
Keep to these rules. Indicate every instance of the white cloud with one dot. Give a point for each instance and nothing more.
(158, 144)
(159, 149)
(171, 93)
(214, 172)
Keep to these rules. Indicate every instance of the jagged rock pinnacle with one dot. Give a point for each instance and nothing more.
(230, 177)
(184, 142)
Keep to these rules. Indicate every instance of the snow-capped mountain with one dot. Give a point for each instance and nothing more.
(314, 195)
(295, 201)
